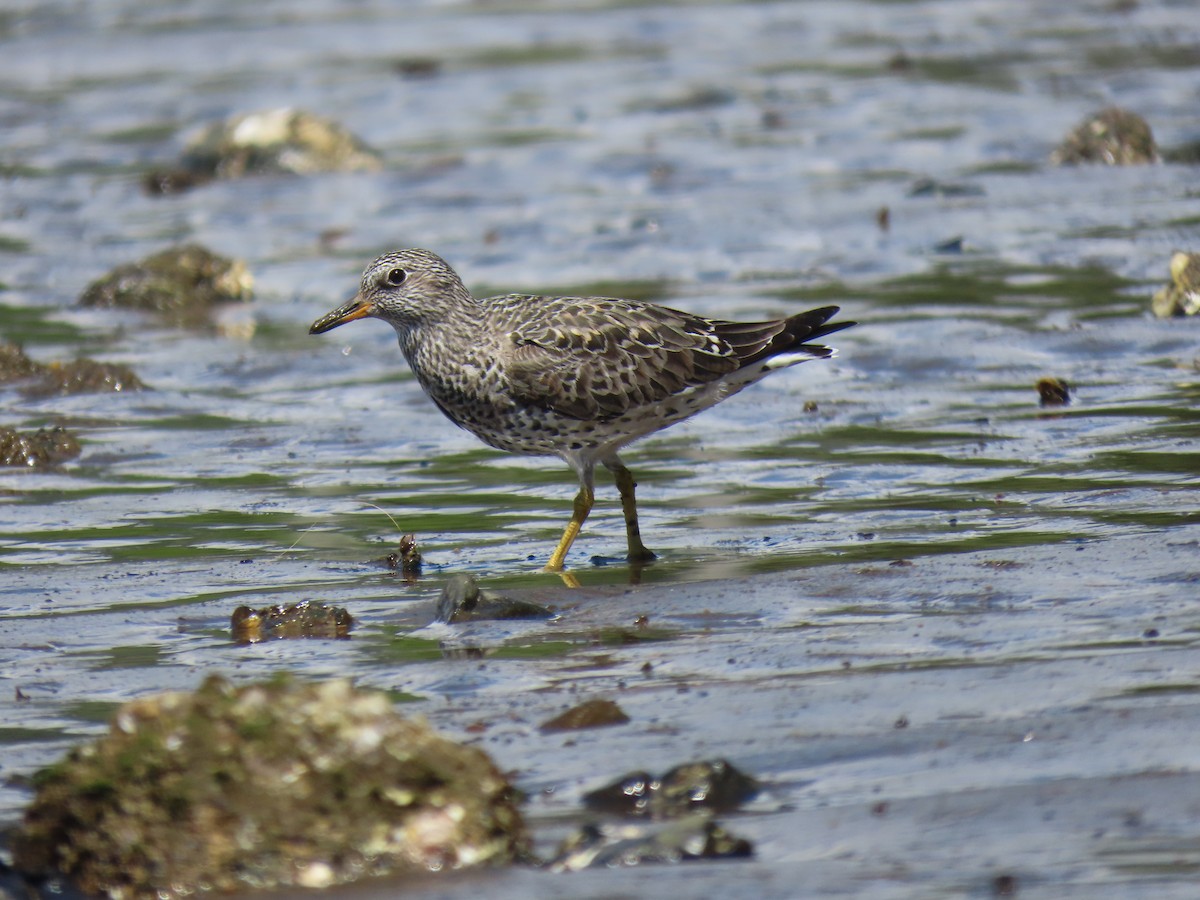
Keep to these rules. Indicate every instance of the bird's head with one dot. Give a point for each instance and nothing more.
(405, 288)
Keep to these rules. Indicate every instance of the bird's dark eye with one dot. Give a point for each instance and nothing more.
(396, 277)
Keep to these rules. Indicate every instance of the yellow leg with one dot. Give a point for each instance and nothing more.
(633, 533)
(584, 501)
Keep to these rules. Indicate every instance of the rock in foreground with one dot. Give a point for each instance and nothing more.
(273, 785)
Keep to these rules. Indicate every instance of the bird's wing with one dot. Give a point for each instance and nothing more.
(591, 358)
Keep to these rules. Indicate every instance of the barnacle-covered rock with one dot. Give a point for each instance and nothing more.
(296, 620)
(278, 140)
(275, 141)
(37, 449)
(271, 785)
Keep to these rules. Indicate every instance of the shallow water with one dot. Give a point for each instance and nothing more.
(725, 158)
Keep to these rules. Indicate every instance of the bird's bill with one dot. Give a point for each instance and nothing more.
(357, 308)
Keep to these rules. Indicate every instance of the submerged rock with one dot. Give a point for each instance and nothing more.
(589, 714)
(1113, 136)
(692, 838)
(36, 449)
(77, 377)
(183, 283)
(276, 141)
(463, 600)
(928, 187)
(297, 620)
(272, 785)
(1182, 296)
(715, 785)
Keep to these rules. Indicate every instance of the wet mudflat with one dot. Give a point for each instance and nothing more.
(950, 628)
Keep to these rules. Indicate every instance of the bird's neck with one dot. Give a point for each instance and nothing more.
(432, 336)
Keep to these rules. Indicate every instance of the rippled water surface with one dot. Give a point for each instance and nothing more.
(727, 158)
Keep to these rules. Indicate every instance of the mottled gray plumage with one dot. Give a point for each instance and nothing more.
(574, 377)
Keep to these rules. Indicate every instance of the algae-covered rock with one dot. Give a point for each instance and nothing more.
(276, 141)
(80, 376)
(1182, 296)
(183, 283)
(85, 376)
(37, 449)
(296, 620)
(270, 785)
(1113, 136)
(15, 365)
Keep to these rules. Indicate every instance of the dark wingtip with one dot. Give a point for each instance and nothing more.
(823, 314)
(816, 323)
(836, 326)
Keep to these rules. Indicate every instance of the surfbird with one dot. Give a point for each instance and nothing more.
(573, 377)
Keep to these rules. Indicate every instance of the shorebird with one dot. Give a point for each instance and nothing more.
(573, 377)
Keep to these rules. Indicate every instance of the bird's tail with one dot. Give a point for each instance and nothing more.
(783, 342)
